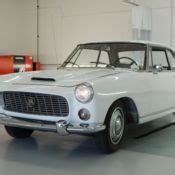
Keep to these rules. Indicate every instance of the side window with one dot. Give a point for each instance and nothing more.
(126, 59)
(137, 56)
(171, 58)
(159, 58)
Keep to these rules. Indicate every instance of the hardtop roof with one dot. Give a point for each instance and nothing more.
(134, 42)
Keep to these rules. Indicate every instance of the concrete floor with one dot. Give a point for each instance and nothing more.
(50, 154)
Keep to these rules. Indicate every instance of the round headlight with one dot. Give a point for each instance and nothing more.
(84, 93)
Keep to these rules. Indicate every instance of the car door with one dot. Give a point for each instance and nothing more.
(162, 82)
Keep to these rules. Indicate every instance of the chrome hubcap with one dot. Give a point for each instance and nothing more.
(116, 125)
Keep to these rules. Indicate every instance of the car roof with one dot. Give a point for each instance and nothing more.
(134, 42)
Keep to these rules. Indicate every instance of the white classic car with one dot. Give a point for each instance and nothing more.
(99, 89)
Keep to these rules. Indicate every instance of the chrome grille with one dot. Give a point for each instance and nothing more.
(35, 103)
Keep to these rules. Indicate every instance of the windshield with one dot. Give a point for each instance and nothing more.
(122, 55)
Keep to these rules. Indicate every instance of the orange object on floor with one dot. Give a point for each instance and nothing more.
(15, 63)
(6, 65)
(36, 66)
(28, 63)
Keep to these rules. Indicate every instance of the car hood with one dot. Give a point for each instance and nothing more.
(61, 77)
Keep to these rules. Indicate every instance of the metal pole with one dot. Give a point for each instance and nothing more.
(37, 30)
(172, 14)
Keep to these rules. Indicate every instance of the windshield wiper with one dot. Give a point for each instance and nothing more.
(99, 62)
(67, 62)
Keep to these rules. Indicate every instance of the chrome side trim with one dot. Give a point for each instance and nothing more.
(159, 112)
(156, 115)
(61, 127)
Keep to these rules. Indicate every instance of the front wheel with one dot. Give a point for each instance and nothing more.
(109, 140)
(18, 132)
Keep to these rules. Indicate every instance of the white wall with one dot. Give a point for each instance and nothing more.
(162, 26)
(50, 31)
(66, 23)
(18, 27)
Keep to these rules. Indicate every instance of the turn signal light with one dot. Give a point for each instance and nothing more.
(84, 114)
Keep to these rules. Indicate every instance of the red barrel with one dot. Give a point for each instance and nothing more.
(36, 66)
(6, 65)
(15, 63)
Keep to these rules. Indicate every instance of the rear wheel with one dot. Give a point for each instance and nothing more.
(18, 132)
(109, 140)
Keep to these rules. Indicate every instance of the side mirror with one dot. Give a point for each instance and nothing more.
(157, 68)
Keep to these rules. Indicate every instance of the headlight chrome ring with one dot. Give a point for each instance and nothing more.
(84, 93)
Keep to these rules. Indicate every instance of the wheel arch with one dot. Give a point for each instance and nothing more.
(132, 114)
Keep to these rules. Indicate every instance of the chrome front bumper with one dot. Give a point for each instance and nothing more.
(61, 127)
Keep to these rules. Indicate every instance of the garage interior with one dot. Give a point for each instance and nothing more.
(48, 30)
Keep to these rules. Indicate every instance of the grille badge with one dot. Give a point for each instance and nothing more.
(30, 101)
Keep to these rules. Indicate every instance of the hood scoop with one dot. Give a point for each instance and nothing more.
(43, 79)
